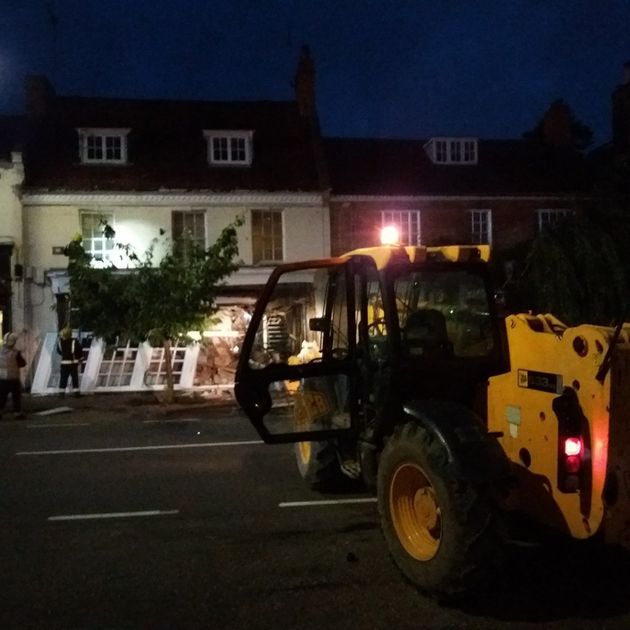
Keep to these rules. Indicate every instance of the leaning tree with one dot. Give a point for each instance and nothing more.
(160, 296)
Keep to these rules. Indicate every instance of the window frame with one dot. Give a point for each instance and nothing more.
(230, 137)
(193, 239)
(469, 151)
(449, 150)
(106, 253)
(262, 260)
(487, 214)
(102, 134)
(557, 213)
(408, 230)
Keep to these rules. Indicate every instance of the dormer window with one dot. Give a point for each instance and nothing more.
(452, 150)
(229, 148)
(103, 146)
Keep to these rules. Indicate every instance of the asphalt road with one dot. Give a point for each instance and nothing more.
(193, 523)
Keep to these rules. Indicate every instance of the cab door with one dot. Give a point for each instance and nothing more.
(296, 377)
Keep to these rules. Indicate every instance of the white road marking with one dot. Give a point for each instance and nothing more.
(123, 449)
(58, 424)
(53, 411)
(89, 517)
(166, 420)
(291, 504)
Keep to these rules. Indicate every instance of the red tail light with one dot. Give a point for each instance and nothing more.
(570, 464)
(572, 425)
(572, 447)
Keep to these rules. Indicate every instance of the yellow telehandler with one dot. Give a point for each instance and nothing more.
(393, 366)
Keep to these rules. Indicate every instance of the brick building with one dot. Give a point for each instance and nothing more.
(194, 166)
(451, 189)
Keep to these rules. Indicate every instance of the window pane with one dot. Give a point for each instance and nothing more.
(440, 151)
(94, 241)
(469, 151)
(406, 221)
(456, 151)
(220, 149)
(94, 148)
(443, 314)
(480, 226)
(188, 229)
(113, 148)
(266, 236)
(237, 146)
(549, 218)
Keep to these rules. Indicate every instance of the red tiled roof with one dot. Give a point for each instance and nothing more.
(167, 149)
(389, 167)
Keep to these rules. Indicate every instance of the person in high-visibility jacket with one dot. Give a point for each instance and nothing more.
(71, 355)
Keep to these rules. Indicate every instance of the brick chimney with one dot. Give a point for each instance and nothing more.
(304, 83)
(557, 125)
(621, 113)
(38, 95)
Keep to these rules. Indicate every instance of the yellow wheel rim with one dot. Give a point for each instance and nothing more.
(304, 449)
(415, 511)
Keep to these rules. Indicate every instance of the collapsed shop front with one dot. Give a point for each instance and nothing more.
(204, 361)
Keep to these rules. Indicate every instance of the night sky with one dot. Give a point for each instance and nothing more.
(400, 68)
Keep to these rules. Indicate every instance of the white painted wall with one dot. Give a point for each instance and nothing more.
(306, 229)
(306, 233)
(51, 220)
(11, 178)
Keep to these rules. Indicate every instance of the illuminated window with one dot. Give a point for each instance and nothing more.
(94, 241)
(407, 222)
(188, 229)
(231, 148)
(547, 218)
(267, 243)
(452, 150)
(103, 146)
(481, 226)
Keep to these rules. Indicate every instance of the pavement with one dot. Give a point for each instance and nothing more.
(112, 406)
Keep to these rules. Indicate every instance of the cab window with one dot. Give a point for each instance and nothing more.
(443, 313)
(305, 319)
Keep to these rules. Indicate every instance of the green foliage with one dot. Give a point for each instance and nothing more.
(575, 271)
(156, 299)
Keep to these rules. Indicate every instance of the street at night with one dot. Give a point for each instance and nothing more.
(116, 521)
(314, 315)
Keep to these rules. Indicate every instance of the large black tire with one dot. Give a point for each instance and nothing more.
(318, 463)
(438, 527)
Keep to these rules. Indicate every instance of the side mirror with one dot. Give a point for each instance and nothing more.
(318, 324)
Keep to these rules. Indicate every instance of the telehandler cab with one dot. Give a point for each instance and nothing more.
(392, 364)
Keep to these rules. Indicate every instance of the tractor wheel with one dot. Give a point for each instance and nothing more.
(438, 527)
(318, 464)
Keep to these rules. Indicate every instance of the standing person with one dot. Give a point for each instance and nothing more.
(71, 354)
(11, 361)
